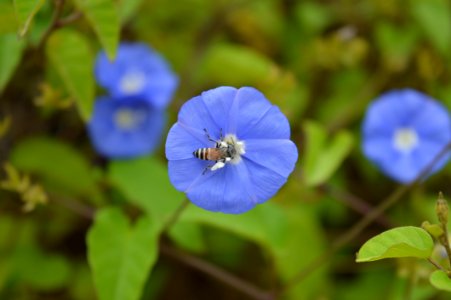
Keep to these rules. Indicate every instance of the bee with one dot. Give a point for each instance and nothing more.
(222, 152)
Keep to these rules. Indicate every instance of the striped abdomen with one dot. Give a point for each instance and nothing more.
(208, 154)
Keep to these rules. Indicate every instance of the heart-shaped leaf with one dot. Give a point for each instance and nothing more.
(121, 255)
(440, 280)
(104, 18)
(406, 241)
(71, 56)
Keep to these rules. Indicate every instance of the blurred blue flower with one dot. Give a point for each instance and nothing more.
(137, 71)
(403, 131)
(256, 142)
(126, 127)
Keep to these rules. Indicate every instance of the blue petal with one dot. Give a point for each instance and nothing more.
(402, 169)
(184, 172)
(433, 122)
(272, 125)
(160, 83)
(279, 156)
(264, 181)
(181, 144)
(252, 107)
(226, 190)
(161, 91)
(114, 142)
(379, 148)
(195, 115)
(207, 191)
(219, 102)
(426, 153)
(239, 195)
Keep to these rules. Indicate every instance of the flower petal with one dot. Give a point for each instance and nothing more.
(379, 148)
(239, 194)
(208, 191)
(279, 156)
(273, 125)
(183, 172)
(219, 102)
(194, 114)
(181, 144)
(114, 142)
(252, 107)
(265, 182)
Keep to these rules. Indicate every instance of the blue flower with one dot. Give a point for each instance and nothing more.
(137, 71)
(257, 153)
(403, 131)
(124, 128)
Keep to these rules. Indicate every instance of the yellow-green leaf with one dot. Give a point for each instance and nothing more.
(406, 241)
(25, 12)
(71, 56)
(440, 280)
(104, 18)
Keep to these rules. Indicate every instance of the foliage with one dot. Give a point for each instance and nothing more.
(78, 224)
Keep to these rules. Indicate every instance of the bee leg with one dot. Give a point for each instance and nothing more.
(208, 136)
(206, 169)
(218, 165)
(220, 134)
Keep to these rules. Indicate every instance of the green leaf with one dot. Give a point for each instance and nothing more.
(188, 236)
(145, 182)
(396, 43)
(322, 159)
(440, 280)
(60, 165)
(434, 16)
(104, 18)
(252, 66)
(11, 49)
(121, 255)
(42, 271)
(25, 12)
(258, 224)
(406, 241)
(8, 20)
(127, 8)
(281, 231)
(71, 56)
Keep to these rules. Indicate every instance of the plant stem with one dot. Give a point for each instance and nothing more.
(439, 267)
(363, 223)
(215, 272)
(355, 203)
(175, 216)
(58, 11)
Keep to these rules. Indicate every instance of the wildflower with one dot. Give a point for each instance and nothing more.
(124, 128)
(259, 154)
(137, 71)
(403, 131)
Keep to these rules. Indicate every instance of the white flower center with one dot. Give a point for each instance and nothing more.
(132, 82)
(405, 139)
(129, 119)
(238, 145)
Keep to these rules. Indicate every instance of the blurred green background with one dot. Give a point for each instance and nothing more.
(321, 62)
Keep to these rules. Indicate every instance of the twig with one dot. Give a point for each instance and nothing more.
(436, 264)
(215, 272)
(363, 223)
(58, 11)
(80, 209)
(69, 19)
(355, 203)
(175, 216)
